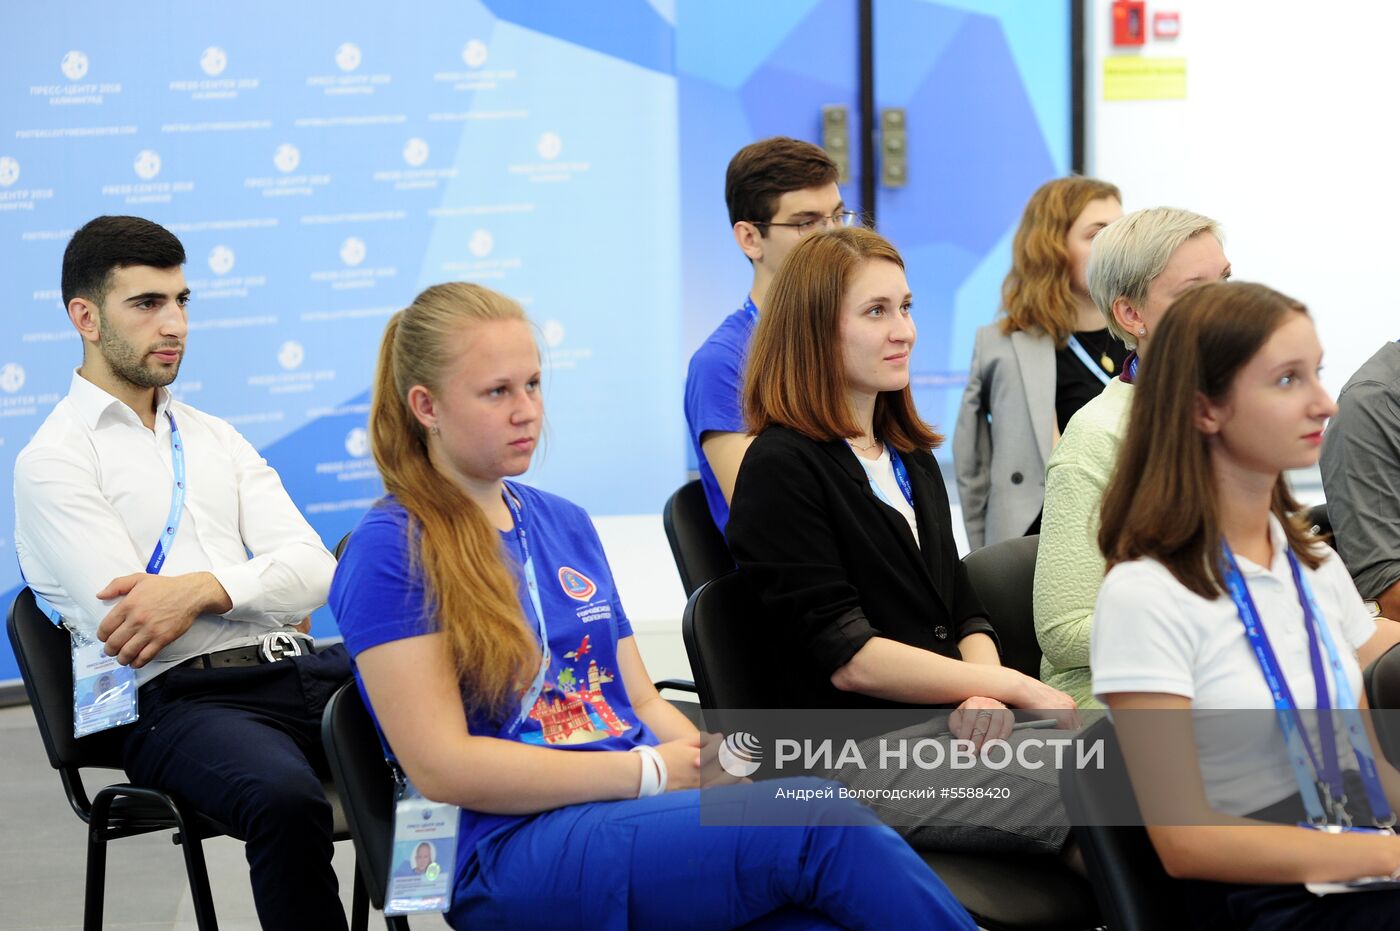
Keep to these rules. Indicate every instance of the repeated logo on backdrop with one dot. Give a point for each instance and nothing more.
(320, 171)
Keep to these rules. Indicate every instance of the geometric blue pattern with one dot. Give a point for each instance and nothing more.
(974, 160)
(630, 30)
(988, 122)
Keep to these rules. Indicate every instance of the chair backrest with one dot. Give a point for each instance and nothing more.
(696, 543)
(340, 547)
(730, 661)
(45, 663)
(1134, 892)
(1319, 521)
(365, 784)
(1003, 575)
(1382, 682)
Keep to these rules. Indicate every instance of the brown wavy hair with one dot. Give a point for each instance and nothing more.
(796, 375)
(472, 596)
(1161, 502)
(1038, 291)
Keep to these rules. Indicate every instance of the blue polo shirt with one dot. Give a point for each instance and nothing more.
(714, 389)
(377, 598)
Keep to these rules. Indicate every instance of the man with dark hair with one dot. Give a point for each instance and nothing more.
(120, 466)
(777, 190)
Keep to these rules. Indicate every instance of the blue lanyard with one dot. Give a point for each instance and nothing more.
(527, 701)
(901, 477)
(1328, 780)
(177, 500)
(1078, 349)
(172, 520)
(751, 308)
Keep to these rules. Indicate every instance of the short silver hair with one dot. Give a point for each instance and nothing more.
(1133, 250)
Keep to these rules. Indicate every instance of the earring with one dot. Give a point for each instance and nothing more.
(1142, 331)
(434, 429)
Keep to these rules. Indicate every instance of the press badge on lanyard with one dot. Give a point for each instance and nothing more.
(1318, 774)
(423, 866)
(424, 861)
(104, 691)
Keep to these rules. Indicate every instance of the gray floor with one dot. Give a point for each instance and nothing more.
(42, 856)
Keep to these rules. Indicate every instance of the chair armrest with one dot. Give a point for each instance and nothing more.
(678, 685)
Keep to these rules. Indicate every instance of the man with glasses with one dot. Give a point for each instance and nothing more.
(777, 190)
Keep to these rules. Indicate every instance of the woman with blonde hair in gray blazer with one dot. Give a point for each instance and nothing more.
(1047, 356)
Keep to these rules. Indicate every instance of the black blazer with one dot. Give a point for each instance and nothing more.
(835, 566)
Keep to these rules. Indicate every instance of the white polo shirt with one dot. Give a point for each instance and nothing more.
(1151, 634)
(92, 494)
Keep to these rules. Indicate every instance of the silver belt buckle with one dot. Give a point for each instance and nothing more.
(279, 645)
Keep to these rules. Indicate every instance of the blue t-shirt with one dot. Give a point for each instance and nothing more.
(583, 705)
(714, 394)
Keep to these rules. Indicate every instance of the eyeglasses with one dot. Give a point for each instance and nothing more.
(842, 218)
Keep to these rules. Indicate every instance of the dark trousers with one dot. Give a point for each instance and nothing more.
(1232, 907)
(1285, 907)
(243, 746)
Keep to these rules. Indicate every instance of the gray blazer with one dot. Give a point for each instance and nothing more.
(1004, 433)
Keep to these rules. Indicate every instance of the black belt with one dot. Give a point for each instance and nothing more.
(277, 645)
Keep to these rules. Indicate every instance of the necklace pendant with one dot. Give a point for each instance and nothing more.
(1107, 363)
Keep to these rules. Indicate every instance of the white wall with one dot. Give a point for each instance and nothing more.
(1287, 137)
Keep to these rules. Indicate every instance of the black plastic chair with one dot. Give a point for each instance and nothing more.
(1382, 683)
(731, 665)
(696, 543)
(1317, 518)
(733, 670)
(1134, 891)
(1319, 521)
(116, 811)
(1003, 575)
(366, 788)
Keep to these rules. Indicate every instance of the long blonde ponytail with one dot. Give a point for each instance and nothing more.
(472, 595)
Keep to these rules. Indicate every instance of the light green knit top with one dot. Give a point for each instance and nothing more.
(1069, 567)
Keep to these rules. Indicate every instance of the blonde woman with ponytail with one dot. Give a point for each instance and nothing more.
(448, 593)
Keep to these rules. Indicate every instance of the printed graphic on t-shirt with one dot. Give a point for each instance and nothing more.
(570, 711)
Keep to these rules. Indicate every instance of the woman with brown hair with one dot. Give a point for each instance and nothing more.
(1034, 368)
(495, 656)
(1217, 598)
(840, 517)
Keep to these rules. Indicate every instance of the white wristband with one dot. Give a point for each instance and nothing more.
(653, 772)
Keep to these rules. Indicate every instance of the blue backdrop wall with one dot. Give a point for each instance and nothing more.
(324, 162)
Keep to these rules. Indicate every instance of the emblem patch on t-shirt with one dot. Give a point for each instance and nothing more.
(576, 585)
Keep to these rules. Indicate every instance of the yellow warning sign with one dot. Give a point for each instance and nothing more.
(1132, 77)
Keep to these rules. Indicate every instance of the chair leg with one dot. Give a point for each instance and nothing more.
(96, 879)
(396, 922)
(359, 904)
(202, 898)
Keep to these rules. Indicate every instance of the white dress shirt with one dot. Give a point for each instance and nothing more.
(92, 494)
(1152, 634)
